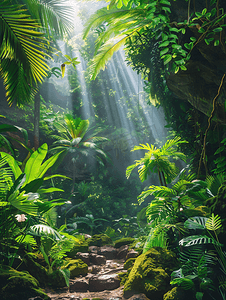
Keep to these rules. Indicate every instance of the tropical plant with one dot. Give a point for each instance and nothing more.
(138, 23)
(20, 194)
(24, 49)
(157, 160)
(5, 138)
(73, 140)
(89, 221)
(210, 228)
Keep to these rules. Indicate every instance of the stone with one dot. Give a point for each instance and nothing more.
(108, 251)
(16, 285)
(95, 269)
(178, 293)
(151, 272)
(84, 257)
(78, 248)
(76, 267)
(122, 252)
(94, 249)
(99, 240)
(124, 241)
(103, 282)
(97, 259)
(79, 285)
(132, 254)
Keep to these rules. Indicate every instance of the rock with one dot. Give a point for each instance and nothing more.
(138, 297)
(95, 269)
(36, 298)
(79, 285)
(94, 249)
(99, 240)
(108, 251)
(129, 263)
(150, 273)
(78, 248)
(97, 259)
(76, 267)
(122, 252)
(132, 254)
(15, 285)
(178, 293)
(84, 257)
(124, 241)
(103, 282)
(36, 269)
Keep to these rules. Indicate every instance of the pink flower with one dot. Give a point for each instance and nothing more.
(21, 218)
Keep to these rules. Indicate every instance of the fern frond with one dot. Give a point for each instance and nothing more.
(213, 223)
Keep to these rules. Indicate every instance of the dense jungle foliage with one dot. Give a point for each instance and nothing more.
(67, 157)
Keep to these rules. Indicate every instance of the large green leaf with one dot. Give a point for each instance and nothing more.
(21, 202)
(44, 230)
(33, 165)
(12, 163)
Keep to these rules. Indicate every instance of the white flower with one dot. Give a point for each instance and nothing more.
(21, 218)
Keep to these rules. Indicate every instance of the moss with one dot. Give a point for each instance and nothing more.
(76, 267)
(97, 299)
(36, 269)
(151, 273)
(99, 240)
(123, 276)
(15, 285)
(78, 248)
(56, 279)
(124, 241)
(85, 299)
(129, 263)
(178, 293)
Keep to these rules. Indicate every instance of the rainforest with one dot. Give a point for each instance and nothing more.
(113, 150)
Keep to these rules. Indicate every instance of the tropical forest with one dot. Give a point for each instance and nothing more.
(113, 149)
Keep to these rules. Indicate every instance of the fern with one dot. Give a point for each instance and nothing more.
(213, 223)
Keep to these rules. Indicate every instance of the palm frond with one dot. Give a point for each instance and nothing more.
(198, 240)
(196, 223)
(22, 52)
(54, 15)
(45, 231)
(213, 223)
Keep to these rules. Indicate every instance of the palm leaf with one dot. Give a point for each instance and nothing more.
(196, 223)
(22, 53)
(213, 223)
(54, 15)
(198, 240)
(21, 202)
(12, 163)
(44, 231)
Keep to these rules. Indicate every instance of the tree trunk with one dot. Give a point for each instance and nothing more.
(36, 120)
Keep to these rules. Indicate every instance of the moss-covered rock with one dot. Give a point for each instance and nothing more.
(99, 240)
(15, 285)
(84, 247)
(151, 273)
(123, 276)
(178, 293)
(36, 269)
(124, 241)
(76, 267)
(129, 263)
(54, 279)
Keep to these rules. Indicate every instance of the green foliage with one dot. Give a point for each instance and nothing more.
(157, 160)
